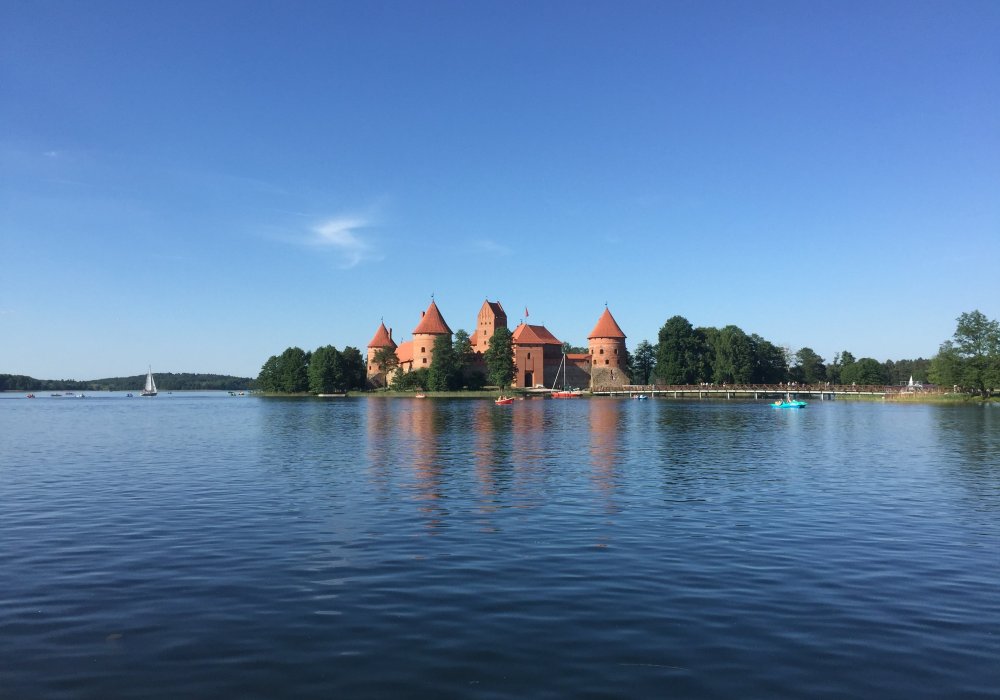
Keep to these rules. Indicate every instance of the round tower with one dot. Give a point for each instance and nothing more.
(608, 355)
(431, 325)
(381, 339)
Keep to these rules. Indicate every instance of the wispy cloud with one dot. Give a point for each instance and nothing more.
(345, 234)
(489, 246)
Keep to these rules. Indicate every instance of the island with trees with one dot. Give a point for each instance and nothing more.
(968, 363)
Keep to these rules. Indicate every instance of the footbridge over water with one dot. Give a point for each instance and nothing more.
(824, 392)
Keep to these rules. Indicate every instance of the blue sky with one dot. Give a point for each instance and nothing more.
(199, 185)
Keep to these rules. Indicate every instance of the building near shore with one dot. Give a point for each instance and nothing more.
(538, 354)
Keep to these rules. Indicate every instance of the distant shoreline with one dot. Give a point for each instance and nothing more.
(165, 381)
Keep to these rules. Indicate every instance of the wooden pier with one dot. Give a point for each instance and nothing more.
(823, 392)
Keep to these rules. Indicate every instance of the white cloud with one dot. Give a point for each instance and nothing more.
(344, 234)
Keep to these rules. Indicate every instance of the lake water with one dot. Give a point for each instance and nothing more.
(200, 545)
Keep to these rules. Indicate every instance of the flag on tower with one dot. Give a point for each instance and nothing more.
(526, 312)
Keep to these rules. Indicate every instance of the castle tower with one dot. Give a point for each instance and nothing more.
(608, 356)
(491, 316)
(431, 325)
(381, 339)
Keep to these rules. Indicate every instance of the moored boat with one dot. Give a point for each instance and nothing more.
(788, 404)
(567, 394)
(564, 393)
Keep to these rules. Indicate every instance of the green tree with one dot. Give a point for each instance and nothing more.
(970, 360)
(567, 349)
(643, 363)
(680, 352)
(462, 345)
(326, 374)
(411, 381)
(809, 367)
(269, 380)
(444, 373)
(292, 371)
(865, 371)
(836, 368)
(385, 363)
(355, 373)
(732, 359)
(499, 358)
(464, 358)
(769, 363)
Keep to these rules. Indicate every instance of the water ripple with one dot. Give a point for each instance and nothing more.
(203, 546)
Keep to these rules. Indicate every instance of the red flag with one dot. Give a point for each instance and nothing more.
(526, 312)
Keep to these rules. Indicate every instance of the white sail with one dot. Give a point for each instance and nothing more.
(150, 388)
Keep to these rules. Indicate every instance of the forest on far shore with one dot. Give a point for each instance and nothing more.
(165, 381)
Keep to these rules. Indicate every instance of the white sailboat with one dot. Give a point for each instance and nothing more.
(563, 393)
(150, 388)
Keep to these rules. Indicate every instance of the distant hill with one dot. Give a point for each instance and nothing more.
(165, 381)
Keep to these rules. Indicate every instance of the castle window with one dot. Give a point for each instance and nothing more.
(529, 355)
(605, 362)
(616, 351)
(425, 360)
(602, 351)
(595, 362)
(423, 350)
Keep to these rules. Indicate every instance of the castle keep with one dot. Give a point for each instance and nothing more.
(538, 356)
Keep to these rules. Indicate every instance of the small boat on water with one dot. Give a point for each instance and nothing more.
(30, 396)
(504, 400)
(420, 396)
(640, 397)
(788, 404)
(150, 388)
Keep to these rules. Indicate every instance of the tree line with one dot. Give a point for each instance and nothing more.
(970, 361)
(325, 370)
(328, 370)
(165, 381)
(685, 354)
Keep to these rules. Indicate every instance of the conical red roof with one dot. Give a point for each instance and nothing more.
(381, 338)
(606, 327)
(432, 323)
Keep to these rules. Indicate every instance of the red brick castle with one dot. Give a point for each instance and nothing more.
(538, 355)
